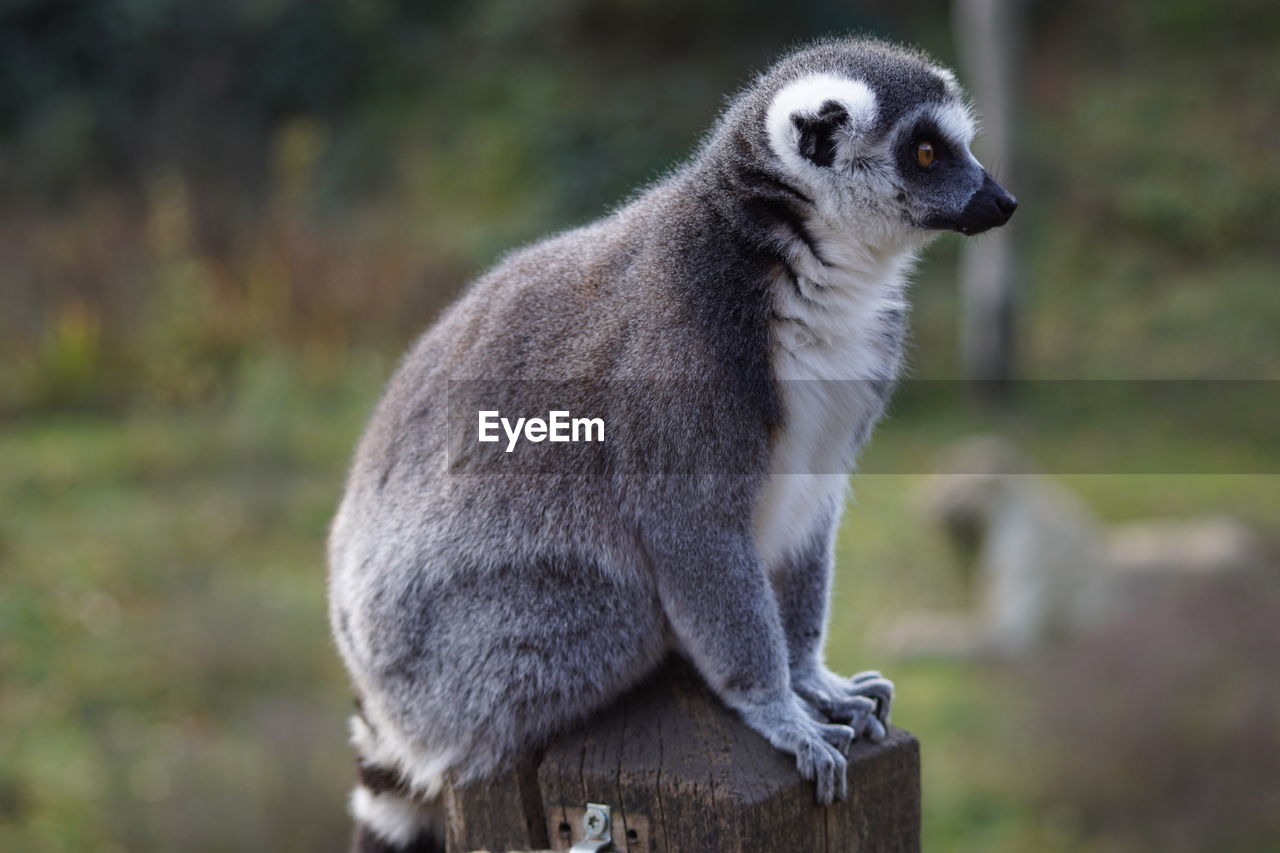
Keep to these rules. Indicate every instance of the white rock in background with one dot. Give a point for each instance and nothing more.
(1039, 564)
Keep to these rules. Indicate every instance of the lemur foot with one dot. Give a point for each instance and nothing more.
(863, 701)
(819, 747)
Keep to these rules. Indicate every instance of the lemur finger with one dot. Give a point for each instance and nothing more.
(879, 689)
(841, 737)
(876, 730)
(865, 676)
(822, 764)
(839, 777)
(846, 708)
(832, 776)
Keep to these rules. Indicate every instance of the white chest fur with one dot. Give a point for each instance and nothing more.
(836, 350)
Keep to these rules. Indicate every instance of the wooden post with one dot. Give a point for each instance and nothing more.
(682, 774)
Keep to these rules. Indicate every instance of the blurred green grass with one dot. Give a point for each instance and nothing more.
(168, 679)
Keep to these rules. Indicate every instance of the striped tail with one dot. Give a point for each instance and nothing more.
(390, 817)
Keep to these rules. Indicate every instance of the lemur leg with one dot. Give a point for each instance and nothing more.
(471, 669)
(717, 600)
(803, 589)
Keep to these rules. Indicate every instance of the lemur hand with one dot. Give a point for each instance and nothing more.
(819, 747)
(863, 702)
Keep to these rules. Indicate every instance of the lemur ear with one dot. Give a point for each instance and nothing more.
(817, 142)
(813, 121)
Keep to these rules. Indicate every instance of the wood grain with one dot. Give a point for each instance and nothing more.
(683, 774)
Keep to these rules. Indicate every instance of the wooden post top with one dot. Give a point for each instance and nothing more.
(682, 773)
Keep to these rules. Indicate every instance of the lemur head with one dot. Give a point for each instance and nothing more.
(878, 138)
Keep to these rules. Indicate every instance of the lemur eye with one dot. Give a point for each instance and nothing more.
(924, 154)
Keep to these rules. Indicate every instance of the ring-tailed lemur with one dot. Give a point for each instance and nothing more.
(745, 313)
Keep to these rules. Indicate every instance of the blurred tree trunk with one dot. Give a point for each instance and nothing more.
(988, 35)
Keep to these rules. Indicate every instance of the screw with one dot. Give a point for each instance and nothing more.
(595, 821)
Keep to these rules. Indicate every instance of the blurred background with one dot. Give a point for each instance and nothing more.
(221, 223)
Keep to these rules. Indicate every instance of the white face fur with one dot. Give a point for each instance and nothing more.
(862, 177)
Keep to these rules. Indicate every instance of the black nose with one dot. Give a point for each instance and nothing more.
(990, 207)
(1007, 204)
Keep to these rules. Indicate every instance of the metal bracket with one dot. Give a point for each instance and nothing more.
(597, 823)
